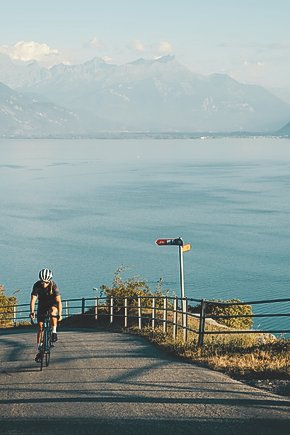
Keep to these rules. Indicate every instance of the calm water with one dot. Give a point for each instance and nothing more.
(83, 208)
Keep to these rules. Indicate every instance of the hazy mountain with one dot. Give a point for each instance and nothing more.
(282, 93)
(25, 115)
(20, 74)
(284, 131)
(151, 95)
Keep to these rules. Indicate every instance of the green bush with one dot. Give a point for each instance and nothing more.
(214, 309)
(6, 308)
(131, 288)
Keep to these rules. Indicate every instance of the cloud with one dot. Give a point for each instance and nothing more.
(165, 47)
(95, 43)
(274, 46)
(257, 45)
(107, 59)
(138, 46)
(152, 50)
(250, 71)
(31, 50)
(253, 64)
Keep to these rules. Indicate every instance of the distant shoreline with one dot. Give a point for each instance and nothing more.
(151, 135)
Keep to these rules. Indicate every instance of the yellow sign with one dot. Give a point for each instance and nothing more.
(186, 247)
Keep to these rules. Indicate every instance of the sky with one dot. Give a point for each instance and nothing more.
(247, 39)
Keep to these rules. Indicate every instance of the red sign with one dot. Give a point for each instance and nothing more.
(169, 242)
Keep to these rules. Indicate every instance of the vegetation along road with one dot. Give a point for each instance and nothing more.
(113, 383)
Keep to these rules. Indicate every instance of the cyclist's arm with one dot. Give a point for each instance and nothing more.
(59, 307)
(32, 306)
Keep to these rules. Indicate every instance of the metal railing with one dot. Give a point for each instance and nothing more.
(170, 313)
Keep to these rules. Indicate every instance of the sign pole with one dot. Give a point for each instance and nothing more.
(183, 302)
(181, 272)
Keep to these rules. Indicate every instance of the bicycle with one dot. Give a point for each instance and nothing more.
(46, 341)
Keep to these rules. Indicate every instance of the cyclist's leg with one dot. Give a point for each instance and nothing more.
(39, 354)
(53, 317)
(40, 319)
(39, 333)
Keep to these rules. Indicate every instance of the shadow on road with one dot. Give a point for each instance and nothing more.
(129, 387)
(78, 426)
(82, 396)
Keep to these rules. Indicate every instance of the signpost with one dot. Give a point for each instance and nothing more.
(181, 248)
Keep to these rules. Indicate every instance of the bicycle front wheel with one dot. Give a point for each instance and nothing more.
(47, 358)
(41, 359)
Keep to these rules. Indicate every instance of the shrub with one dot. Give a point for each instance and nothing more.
(214, 309)
(130, 288)
(6, 308)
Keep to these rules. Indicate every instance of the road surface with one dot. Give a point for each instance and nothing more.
(112, 383)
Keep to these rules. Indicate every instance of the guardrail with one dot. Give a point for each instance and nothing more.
(153, 311)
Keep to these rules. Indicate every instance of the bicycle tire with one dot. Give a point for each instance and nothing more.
(47, 346)
(47, 358)
(41, 358)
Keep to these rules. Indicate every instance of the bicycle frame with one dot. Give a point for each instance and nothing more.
(45, 341)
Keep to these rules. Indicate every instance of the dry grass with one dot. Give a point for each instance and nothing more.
(245, 355)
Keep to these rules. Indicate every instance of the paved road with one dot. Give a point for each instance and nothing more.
(111, 383)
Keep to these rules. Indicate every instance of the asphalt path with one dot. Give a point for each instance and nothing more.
(101, 382)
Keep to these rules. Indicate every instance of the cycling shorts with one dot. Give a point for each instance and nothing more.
(42, 310)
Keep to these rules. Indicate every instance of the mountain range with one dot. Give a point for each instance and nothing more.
(145, 95)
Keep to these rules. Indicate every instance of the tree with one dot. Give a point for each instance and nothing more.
(7, 304)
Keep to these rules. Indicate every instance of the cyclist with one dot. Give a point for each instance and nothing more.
(48, 295)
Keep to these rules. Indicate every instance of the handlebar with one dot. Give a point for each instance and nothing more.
(33, 322)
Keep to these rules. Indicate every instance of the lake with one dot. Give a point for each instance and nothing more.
(85, 207)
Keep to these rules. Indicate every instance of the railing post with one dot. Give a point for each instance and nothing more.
(139, 313)
(201, 323)
(126, 313)
(14, 314)
(153, 312)
(174, 318)
(165, 304)
(66, 308)
(83, 306)
(185, 319)
(96, 308)
(111, 309)
(183, 304)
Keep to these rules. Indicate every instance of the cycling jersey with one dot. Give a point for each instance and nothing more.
(46, 296)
